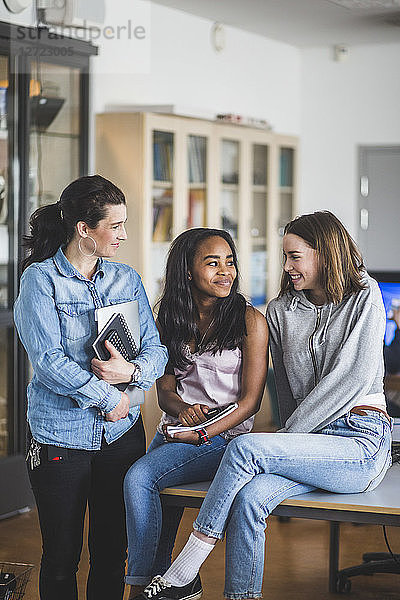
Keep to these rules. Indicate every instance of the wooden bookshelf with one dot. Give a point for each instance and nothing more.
(179, 172)
(206, 174)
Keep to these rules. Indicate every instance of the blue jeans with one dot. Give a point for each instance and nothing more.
(152, 530)
(259, 470)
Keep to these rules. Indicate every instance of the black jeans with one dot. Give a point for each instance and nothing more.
(62, 488)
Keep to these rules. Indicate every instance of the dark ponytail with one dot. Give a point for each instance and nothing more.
(47, 234)
(54, 225)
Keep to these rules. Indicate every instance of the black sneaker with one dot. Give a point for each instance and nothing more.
(159, 589)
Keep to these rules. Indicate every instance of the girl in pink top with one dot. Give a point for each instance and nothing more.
(218, 354)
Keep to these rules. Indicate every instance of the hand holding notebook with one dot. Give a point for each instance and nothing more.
(213, 416)
(118, 333)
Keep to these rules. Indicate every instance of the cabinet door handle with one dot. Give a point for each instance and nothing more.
(364, 217)
(364, 186)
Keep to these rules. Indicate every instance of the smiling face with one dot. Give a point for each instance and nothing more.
(213, 271)
(109, 232)
(301, 264)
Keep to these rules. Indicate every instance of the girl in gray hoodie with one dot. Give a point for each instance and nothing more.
(326, 340)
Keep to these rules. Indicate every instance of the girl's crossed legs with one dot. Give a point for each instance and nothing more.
(258, 471)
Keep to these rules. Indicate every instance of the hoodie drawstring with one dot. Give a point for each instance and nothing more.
(324, 332)
(293, 304)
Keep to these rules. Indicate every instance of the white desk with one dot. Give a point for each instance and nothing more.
(379, 507)
(396, 429)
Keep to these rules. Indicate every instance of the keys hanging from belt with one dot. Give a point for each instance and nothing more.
(33, 455)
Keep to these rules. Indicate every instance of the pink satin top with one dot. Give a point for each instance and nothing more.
(211, 379)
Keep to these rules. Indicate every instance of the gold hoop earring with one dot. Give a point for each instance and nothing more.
(94, 248)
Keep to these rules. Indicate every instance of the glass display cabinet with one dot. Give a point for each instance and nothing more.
(44, 106)
(180, 172)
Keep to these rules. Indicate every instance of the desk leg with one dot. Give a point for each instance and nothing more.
(333, 555)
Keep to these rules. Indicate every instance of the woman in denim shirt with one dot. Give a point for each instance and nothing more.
(85, 436)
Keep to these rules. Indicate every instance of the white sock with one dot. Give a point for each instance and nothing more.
(187, 564)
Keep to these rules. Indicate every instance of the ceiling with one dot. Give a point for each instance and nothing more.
(304, 23)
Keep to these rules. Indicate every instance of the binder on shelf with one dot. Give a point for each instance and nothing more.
(286, 167)
(197, 208)
(197, 159)
(121, 325)
(162, 223)
(162, 156)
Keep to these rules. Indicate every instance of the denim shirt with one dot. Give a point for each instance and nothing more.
(55, 318)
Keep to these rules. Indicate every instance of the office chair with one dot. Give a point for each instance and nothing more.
(373, 562)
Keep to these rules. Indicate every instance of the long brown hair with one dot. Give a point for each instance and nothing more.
(340, 263)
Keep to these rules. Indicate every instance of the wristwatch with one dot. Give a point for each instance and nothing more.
(137, 371)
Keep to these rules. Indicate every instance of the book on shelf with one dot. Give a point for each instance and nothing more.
(197, 158)
(230, 162)
(229, 211)
(162, 222)
(197, 208)
(162, 157)
(167, 154)
(213, 416)
(286, 167)
(244, 120)
(260, 159)
(156, 162)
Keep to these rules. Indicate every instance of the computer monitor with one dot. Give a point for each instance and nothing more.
(389, 284)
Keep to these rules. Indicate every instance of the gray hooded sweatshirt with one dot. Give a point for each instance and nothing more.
(326, 359)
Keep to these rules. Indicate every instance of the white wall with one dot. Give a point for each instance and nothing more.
(333, 106)
(26, 17)
(253, 76)
(344, 105)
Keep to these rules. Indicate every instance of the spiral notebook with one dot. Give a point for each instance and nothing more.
(120, 324)
(213, 415)
(118, 333)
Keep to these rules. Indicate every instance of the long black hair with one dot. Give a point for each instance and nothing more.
(178, 313)
(51, 226)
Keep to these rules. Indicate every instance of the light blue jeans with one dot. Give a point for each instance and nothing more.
(152, 529)
(260, 470)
